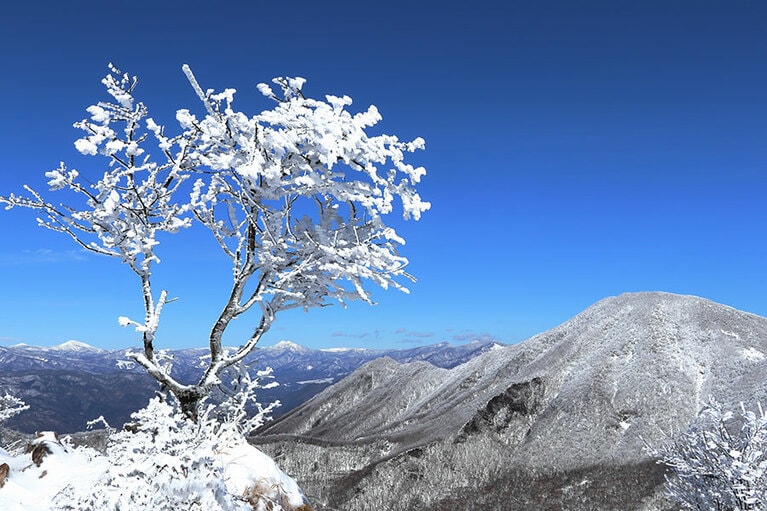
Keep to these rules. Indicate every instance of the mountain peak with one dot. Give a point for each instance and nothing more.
(649, 298)
(347, 350)
(290, 346)
(73, 345)
(594, 391)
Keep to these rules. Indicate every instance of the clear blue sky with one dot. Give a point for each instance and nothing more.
(575, 150)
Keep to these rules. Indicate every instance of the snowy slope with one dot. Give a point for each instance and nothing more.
(583, 394)
(33, 483)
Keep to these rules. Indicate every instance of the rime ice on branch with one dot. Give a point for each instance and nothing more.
(295, 196)
(715, 465)
(11, 406)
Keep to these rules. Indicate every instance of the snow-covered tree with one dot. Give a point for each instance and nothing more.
(11, 406)
(165, 461)
(720, 463)
(295, 197)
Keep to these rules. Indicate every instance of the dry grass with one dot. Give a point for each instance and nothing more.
(265, 494)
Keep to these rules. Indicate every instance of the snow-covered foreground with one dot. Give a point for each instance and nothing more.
(32, 487)
(162, 461)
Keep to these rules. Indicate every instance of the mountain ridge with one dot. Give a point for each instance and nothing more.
(588, 393)
(55, 381)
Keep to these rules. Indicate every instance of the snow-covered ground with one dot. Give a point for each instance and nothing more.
(30, 487)
(34, 487)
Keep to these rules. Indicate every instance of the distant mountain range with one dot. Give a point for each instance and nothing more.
(68, 384)
(558, 421)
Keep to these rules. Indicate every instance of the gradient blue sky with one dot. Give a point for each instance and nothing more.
(575, 150)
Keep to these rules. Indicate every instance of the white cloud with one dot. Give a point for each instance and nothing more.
(350, 335)
(473, 336)
(42, 256)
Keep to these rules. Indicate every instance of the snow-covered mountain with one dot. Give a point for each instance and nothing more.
(71, 383)
(75, 346)
(556, 422)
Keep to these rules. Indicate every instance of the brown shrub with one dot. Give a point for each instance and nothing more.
(39, 452)
(4, 469)
(260, 493)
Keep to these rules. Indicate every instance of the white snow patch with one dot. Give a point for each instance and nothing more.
(32, 488)
(752, 354)
(246, 465)
(345, 350)
(573, 486)
(125, 365)
(74, 346)
(323, 380)
(289, 346)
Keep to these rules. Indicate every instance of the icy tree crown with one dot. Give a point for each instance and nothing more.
(306, 179)
(715, 464)
(295, 196)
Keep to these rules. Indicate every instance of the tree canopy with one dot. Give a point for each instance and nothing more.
(295, 196)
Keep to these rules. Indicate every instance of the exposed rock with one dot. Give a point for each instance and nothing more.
(520, 400)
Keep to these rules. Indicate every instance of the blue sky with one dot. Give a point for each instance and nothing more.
(575, 150)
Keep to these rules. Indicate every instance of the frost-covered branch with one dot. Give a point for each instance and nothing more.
(720, 463)
(295, 196)
(136, 199)
(11, 406)
(163, 461)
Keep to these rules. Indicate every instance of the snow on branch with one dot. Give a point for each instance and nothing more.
(720, 462)
(295, 196)
(11, 406)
